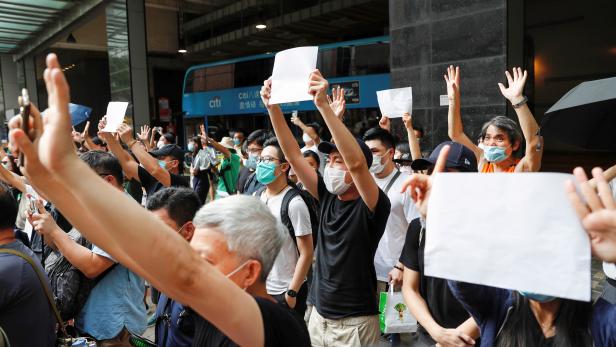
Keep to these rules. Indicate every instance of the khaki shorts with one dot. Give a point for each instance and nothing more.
(351, 331)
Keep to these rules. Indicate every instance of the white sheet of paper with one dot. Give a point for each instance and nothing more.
(395, 102)
(28, 229)
(116, 110)
(292, 68)
(513, 231)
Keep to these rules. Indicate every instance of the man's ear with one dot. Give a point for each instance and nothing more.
(254, 273)
(188, 231)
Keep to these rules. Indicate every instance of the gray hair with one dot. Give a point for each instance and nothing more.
(249, 227)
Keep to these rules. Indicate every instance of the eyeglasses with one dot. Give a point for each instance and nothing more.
(254, 150)
(266, 160)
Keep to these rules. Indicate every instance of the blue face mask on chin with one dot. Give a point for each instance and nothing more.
(537, 297)
(494, 154)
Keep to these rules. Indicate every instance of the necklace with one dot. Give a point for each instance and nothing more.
(267, 196)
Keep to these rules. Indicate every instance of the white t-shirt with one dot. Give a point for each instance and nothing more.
(403, 211)
(321, 155)
(280, 277)
(610, 268)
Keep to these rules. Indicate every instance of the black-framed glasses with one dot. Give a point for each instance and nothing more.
(267, 159)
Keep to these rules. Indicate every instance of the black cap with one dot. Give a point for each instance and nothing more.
(169, 137)
(328, 147)
(404, 158)
(459, 157)
(169, 151)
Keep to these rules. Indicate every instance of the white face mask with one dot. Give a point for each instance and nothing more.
(306, 138)
(334, 181)
(406, 169)
(377, 164)
(160, 144)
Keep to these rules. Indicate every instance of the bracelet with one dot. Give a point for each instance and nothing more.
(398, 268)
(519, 104)
(130, 145)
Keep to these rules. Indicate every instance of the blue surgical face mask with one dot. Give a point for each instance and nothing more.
(251, 163)
(494, 154)
(162, 164)
(537, 297)
(191, 147)
(236, 142)
(266, 173)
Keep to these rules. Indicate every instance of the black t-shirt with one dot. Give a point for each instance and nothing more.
(152, 185)
(444, 307)
(280, 325)
(349, 234)
(25, 313)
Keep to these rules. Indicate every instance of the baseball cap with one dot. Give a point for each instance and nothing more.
(169, 151)
(404, 158)
(459, 157)
(328, 147)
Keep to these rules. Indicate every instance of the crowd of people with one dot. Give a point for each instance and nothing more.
(264, 239)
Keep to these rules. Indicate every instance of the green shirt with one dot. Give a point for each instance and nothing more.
(228, 173)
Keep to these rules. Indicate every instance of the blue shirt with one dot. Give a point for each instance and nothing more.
(175, 324)
(114, 303)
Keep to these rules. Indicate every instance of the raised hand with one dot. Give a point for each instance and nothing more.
(407, 120)
(52, 151)
(266, 92)
(126, 133)
(77, 136)
(420, 185)
(597, 212)
(337, 102)
(515, 88)
(42, 222)
(295, 120)
(318, 88)
(385, 123)
(144, 135)
(452, 78)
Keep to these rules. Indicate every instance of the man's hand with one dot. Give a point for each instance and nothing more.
(144, 135)
(318, 88)
(513, 93)
(597, 213)
(385, 123)
(452, 338)
(77, 136)
(266, 93)
(126, 133)
(452, 78)
(337, 102)
(420, 185)
(203, 134)
(394, 277)
(296, 121)
(42, 222)
(291, 302)
(408, 121)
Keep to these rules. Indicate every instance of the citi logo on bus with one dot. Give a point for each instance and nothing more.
(216, 102)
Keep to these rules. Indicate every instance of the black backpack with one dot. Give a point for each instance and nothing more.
(313, 210)
(70, 287)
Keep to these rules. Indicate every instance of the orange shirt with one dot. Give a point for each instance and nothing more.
(488, 167)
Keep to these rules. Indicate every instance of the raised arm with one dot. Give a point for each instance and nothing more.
(176, 269)
(144, 137)
(306, 129)
(345, 142)
(210, 141)
(410, 132)
(455, 129)
(305, 173)
(13, 180)
(149, 163)
(534, 148)
(129, 165)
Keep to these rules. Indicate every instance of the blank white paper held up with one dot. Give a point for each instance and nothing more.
(115, 115)
(514, 231)
(290, 77)
(395, 102)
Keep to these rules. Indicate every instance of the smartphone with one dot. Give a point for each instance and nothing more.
(24, 111)
(32, 204)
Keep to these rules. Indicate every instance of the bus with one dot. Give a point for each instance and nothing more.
(225, 95)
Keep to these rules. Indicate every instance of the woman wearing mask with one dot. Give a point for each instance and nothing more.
(200, 168)
(500, 138)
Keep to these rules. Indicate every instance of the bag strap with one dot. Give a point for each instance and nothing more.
(42, 282)
(284, 213)
(4, 340)
(391, 182)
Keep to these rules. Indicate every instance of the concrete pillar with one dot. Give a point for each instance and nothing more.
(429, 35)
(10, 91)
(30, 74)
(137, 39)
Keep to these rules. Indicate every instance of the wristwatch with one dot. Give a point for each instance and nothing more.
(398, 268)
(519, 104)
(292, 293)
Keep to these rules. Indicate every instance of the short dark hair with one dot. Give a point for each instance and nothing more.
(8, 206)
(403, 147)
(316, 126)
(104, 163)
(386, 138)
(272, 141)
(419, 129)
(181, 203)
(98, 141)
(310, 153)
(169, 137)
(259, 136)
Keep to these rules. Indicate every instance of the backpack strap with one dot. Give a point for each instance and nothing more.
(391, 182)
(284, 212)
(43, 285)
(4, 340)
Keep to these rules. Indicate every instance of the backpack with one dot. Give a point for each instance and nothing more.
(311, 203)
(70, 287)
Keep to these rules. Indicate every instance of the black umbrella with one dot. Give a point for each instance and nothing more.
(584, 118)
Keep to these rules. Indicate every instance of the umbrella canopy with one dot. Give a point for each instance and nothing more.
(584, 118)
(79, 113)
